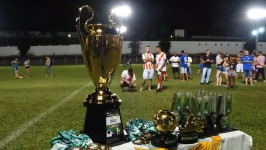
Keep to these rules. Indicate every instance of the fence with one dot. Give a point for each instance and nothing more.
(78, 59)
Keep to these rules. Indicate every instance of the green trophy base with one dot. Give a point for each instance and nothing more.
(103, 122)
(164, 140)
(188, 138)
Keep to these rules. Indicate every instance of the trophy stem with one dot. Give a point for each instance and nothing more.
(101, 95)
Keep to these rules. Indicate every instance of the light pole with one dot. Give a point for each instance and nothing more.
(257, 13)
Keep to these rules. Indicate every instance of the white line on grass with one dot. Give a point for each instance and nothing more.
(25, 126)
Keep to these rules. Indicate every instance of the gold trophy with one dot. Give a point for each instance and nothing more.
(101, 46)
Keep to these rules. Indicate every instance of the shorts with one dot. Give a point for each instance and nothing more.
(164, 72)
(200, 66)
(231, 73)
(226, 70)
(27, 67)
(125, 84)
(15, 67)
(183, 69)
(148, 74)
(175, 69)
(239, 68)
(248, 73)
(219, 68)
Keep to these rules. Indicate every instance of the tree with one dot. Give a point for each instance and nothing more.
(135, 46)
(165, 46)
(23, 48)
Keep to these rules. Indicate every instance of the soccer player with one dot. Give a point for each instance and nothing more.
(160, 66)
(27, 66)
(175, 67)
(148, 71)
(247, 61)
(48, 67)
(239, 66)
(260, 66)
(183, 62)
(206, 60)
(128, 79)
(15, 64)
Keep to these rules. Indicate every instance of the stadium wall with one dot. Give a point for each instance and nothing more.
(191, 47)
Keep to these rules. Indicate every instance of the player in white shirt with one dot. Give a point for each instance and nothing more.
(160, 66)
(128, 79)
(148, 71)
(175, 65)
(189, 70)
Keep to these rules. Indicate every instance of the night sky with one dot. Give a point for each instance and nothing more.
(198, 17)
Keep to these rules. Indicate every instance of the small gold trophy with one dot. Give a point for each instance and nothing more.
(101, 46)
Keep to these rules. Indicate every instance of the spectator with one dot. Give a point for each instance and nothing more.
(260, 66)
(206, 60)
(247, 61)
(219, 69)
(175, 67)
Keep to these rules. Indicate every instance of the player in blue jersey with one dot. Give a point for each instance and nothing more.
(183, 63)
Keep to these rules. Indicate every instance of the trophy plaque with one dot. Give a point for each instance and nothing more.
(101, 47)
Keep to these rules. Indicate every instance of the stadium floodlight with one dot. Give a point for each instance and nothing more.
(123, 29)
(261, 30)
(256, 13)
(255, 32)
(122, 11)
(69, 35)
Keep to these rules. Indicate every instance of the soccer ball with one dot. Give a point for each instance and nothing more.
(165, 121)
(20, 77)
(109, 133)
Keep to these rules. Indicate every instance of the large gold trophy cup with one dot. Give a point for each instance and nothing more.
(101, 46)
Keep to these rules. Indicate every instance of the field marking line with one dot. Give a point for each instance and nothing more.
(25, 126)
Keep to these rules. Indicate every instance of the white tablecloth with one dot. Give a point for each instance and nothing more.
(236, 140)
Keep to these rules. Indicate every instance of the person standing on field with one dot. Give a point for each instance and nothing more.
(247, 61)
(189, 70)
(160, 66)
(148, 71)
(48, 66)
(27, 67)
(175, 67)
(260, 66)
(183, 63)
(239, 66)
(206, 60)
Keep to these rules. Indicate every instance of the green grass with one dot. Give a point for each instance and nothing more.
(21, 100)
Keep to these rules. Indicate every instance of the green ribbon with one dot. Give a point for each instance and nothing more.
(137, 127)
(70, 139)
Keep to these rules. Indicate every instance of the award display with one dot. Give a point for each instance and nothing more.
(101, 46)
(205, 114)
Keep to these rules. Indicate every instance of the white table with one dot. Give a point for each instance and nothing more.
(236, 140)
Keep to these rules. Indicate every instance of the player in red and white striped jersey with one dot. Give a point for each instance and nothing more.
(160, 66)
(148, 71)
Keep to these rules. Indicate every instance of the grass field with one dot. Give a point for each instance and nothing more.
(33, 109)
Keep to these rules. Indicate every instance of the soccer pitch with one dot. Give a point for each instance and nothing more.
(32, 110)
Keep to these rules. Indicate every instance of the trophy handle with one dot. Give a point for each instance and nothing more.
(78, 24)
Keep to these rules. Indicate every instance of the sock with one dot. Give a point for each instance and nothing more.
(159, 83)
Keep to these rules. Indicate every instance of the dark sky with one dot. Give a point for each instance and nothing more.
(199, 17)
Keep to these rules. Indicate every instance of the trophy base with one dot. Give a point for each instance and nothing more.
(188, 138)
(164, 140)
(103, 122)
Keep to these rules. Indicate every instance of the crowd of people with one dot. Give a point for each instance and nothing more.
(15, 63)
(228, 68)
